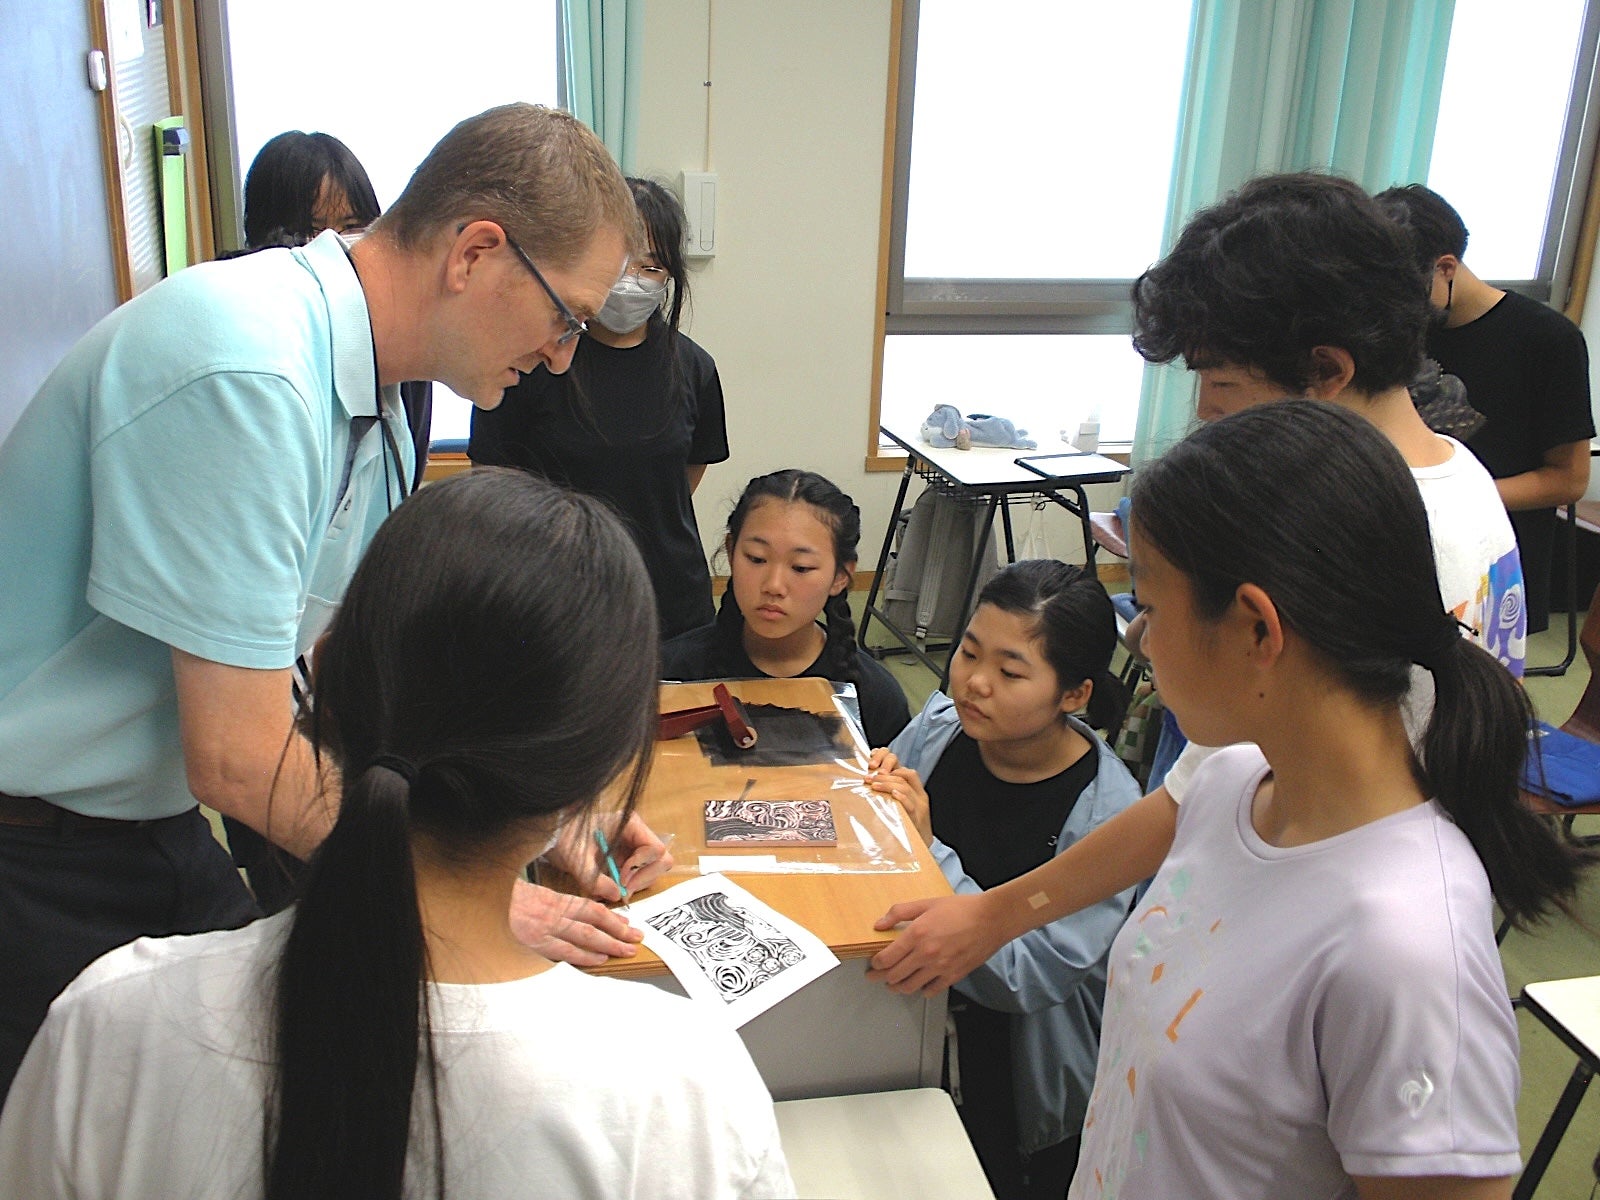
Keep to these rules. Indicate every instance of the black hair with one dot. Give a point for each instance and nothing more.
(664, 225)
(1435, 227)
(281, 189)
(1073, 617)
(1336, 534)
(472, 687)
(843, 519)
(1286, 264)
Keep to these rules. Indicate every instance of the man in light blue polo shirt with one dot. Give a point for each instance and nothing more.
(184, 501)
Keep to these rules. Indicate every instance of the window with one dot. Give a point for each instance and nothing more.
(1033, 161)
(1507, 148)
(389, 95)
(1034, 158)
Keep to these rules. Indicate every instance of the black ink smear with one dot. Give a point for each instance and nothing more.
(786, 737)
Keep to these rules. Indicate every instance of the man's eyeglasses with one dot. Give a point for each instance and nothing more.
(574, 326)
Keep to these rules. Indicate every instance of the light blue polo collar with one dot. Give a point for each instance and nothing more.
(354, 381)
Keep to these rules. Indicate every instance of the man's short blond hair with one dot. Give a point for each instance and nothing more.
(537, 172)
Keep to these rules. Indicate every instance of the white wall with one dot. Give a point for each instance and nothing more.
(786, 306)
(798, 98)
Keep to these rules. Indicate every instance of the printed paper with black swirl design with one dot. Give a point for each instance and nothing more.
(736, 950)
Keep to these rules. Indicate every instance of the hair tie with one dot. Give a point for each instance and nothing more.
(1445, 643)
(400, 766)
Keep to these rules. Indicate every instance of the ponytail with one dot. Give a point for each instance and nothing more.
(1352, 572)
(349, 1010)
(1108, 703)
(469, 694)
(1472, 760)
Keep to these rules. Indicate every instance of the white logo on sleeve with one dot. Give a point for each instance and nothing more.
(1415, 1093)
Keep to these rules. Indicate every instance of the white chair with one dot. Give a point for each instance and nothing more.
(882, 1146)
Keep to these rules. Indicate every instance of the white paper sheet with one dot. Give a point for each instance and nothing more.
(731, 951)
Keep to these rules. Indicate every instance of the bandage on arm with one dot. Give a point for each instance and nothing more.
(1125, 851)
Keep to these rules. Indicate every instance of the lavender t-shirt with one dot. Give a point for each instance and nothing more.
(1278, 1020)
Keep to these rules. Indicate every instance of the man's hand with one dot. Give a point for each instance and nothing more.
(946, 939)
(569, 929)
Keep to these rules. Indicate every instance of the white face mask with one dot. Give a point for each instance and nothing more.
(630, 304)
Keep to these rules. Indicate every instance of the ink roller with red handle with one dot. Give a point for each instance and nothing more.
(727, 709)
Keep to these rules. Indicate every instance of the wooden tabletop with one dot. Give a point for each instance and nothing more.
(838, 908)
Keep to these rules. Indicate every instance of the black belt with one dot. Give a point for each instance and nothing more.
(35, 813)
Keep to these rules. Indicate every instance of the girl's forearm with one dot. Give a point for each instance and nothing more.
(1125, 851)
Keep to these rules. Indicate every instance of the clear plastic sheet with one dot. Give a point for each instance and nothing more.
(809, 746)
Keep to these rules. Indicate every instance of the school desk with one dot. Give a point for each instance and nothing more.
(841, 1034)
(1570, 1009)
(990, 479)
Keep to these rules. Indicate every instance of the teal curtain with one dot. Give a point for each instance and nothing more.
(601, 48)
(1349, 86)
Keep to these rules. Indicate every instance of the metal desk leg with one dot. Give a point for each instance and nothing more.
(972, 581)
(1080, 509)
(883, 555)
(1571, 1097)
(1088, 530)
(1011, 545)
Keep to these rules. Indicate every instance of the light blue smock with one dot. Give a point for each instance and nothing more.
(1053, 979)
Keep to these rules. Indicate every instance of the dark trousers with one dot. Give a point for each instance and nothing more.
(71, 892)
(988, 1111)
(1536, 539)
(274, 874)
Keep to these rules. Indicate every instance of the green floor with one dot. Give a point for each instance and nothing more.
(1561, 949)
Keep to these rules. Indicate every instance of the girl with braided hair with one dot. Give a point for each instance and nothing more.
(791, 547)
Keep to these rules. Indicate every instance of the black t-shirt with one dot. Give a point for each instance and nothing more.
(1527, 371)
(623, 426)
(1000, 830)
(695, 655)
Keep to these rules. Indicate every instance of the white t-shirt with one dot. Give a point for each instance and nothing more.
(1480, 580)
(1278, 1020)
(147, 1079)
(1475, 551)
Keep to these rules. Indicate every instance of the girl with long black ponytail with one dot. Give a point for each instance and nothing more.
(1315, 961)
(390, 1035)
(1000, 777)
(791, 548)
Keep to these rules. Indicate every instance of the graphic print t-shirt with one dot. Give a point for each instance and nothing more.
(1280, 1019)
(1480, 572)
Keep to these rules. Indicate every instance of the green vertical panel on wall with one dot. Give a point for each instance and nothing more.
(172, 161)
